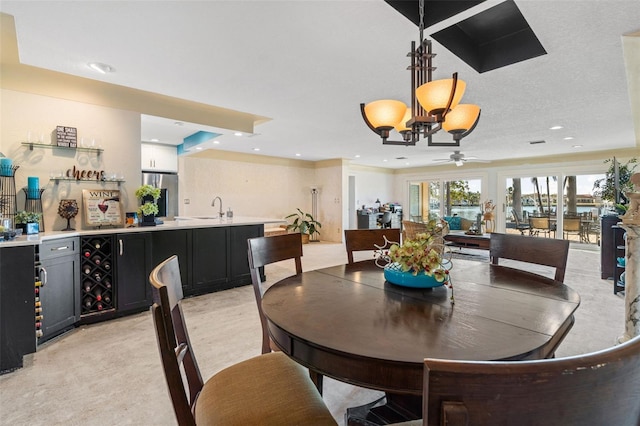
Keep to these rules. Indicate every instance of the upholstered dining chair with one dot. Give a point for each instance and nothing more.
(367, 239)
(270, 389)
(541, 251)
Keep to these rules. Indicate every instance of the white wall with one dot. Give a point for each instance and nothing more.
(118, 132)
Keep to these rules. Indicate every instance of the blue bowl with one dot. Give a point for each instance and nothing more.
(407, 279)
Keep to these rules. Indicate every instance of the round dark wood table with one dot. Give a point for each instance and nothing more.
(348, 323)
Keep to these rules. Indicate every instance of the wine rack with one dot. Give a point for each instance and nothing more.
(96, 272)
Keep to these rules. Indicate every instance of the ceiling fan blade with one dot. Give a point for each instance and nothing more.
(442, 160)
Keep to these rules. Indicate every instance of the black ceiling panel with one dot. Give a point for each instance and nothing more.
(494, 38)
(434, 11)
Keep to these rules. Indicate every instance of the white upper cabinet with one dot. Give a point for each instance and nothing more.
(160, 158)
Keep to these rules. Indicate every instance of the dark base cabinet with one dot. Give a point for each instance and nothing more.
(133, 263)
(59, 272)
(211, 259)
(17, 306)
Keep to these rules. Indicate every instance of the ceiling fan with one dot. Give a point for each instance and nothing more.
(459, 159)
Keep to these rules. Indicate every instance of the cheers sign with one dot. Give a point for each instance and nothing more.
(85, 174)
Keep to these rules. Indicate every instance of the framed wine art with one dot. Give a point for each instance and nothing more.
(102, 207)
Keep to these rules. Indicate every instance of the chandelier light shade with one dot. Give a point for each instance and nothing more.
(434, 95)
(462, 118)
(434, 104)
(385, 114)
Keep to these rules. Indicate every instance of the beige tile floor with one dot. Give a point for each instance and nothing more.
(110, 373)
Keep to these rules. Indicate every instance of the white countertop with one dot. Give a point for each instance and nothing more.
(181, 222)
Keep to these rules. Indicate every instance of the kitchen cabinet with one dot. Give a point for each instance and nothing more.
(209, 256)
(161, 158)
(239, 260)
(169, 243)
(59, 272)
(17, 306)
(133, 266)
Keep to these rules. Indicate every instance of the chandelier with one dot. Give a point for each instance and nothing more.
(435, 105)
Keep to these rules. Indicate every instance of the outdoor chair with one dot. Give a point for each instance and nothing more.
(367, 239)
(270, 389)
(539, 224)
(572, 226)
(548, 252)
(520, 226)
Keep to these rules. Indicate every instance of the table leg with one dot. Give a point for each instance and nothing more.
(391, 408)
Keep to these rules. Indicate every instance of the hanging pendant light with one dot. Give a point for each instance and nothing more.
(434, 104)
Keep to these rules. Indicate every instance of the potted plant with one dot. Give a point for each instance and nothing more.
(607, 188)
(29, 222)
(148, 195)
(303, 223)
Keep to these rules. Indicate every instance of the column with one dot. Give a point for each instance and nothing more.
(632, 283)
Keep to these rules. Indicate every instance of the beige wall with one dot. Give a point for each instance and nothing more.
(118, 132)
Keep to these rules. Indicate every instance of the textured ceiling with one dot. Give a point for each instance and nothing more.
(306, 66)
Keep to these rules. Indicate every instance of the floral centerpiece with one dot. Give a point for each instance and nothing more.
(421, 260)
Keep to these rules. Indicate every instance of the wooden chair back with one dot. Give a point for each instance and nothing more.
(597, 389)
(541, 251)
(173, 340)
(367, 239)
(266, 250)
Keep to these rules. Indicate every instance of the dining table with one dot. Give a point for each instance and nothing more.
(348, 323)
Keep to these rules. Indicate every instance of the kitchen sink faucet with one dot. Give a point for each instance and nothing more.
(213, 203)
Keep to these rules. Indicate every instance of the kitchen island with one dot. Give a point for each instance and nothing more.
(95, 275)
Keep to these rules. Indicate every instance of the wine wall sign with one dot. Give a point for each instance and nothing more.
(102, 207)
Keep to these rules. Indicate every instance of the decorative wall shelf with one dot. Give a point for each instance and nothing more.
(31, 145)
(57, 180)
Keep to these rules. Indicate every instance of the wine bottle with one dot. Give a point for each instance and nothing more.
(87, 286)
(87, 302)
(39, 317)
(106, 298)
(87, 253)
(87, 269)
(96, 244)
(107, 283)
(97, 276)
(97, 259)
(39, 333)
(99, 306)
(38, 302)
(38, 310)
(97, 293)
(106, 265)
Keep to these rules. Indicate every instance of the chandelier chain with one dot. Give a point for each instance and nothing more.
(421, 26)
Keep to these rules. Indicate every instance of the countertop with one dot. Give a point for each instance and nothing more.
(181, 222)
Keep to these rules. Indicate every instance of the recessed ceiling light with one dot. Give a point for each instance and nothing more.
(199, 148)
(216, 142)
(297, 155)
(357, 155)
(568, 138)
(555, 128)
(385, 160)
(101, 68)
(238, 134)
(179, 123)
(256, 149)
(577, 146)
(155, 140)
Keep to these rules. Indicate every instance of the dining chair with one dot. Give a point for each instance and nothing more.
(266, 250)
(367, 239)
(270, 389)
(548, 252)
(385, 220)
(596, 389)
(410, 229)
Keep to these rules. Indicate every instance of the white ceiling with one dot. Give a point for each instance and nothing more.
(307, 65)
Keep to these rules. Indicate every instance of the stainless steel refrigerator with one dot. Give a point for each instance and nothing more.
(168, 183)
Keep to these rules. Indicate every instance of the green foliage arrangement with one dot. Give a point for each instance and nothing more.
(148, 207)
(422, 254)
(27, 217)
(606, 187)
(303, 223)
